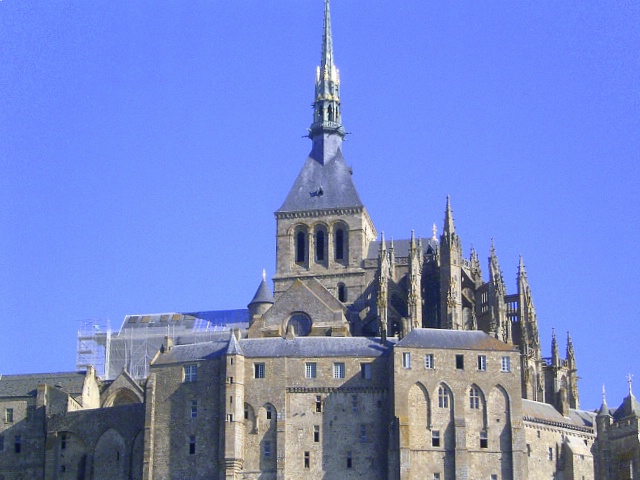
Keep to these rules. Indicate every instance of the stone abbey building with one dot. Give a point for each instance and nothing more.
(369, 359)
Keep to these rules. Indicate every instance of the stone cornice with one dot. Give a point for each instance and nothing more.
(319, 213)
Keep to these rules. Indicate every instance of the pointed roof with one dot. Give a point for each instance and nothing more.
(604, 408)
(234, 347)
(449, 227)
(263, 294)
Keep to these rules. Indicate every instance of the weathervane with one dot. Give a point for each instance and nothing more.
(630, 380)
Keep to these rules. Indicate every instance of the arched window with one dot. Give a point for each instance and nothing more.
(443, 397)
(339, 244)
(474, 398)
(300, 247)
(301, 324)
(342, 292)
(320, 246)
(330, 113)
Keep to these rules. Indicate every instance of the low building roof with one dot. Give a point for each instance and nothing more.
(545, 413)
(27, 385)
(315, 347)
(453, 339)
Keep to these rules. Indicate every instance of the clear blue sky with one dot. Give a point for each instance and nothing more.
(144, 147)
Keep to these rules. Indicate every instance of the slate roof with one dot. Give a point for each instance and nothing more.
(27, 385)
(263, 294)
(321, 186)
(215, 347)
(547, 413)
(315, 347)
(453, 339)
(400, 247)
(629, 407)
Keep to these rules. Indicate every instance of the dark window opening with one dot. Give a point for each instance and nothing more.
(435, 438)
(306, 459)
(339, 244)
(192, 445)
(300, 247)
(484, 441)
(460, 362)
(342, 292)
(18, 444)
(63, 441)
(269, 412)
(318, 404)
(349, 460)
(316, 433)
(320, 246)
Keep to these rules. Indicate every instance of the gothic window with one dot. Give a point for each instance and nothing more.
(330, 109)
(443, 397)
(301, 247)
(339, 244)
(342, 292)
(301, 324)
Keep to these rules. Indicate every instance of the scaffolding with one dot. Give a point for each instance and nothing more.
(94, 337)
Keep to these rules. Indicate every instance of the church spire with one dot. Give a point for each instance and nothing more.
(327, 117)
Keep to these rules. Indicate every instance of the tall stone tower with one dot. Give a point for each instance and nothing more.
(323, 229)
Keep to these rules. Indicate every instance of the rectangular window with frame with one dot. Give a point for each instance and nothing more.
(310, 370)
(258, 370)
(428, 361)
(406, 359)
(190, 373)
(8, 415)
(269, 412)
(460, 362)
(482, 363)
(435, 438)
(365, 371)
(192, 445)
(316, 433)
(307, 460)
(338, 370)
(194, 409)
(484, 440)
(318, 404)
(505, 364)
(18, 444)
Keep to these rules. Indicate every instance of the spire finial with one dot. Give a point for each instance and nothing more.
(264, 275)
(448, 218)
(604, 395)
(630, 380)
(434, 230)
(326, 105)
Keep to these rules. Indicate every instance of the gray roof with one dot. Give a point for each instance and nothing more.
(215, 347)
(314, 347)
(263, 294)
(322, 184)
(400, 247)
(547, 413)
(27, 385)
(454, 339)
(629, 407)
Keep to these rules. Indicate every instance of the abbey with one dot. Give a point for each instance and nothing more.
(370, 358)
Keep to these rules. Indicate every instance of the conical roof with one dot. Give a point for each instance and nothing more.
(263, 294)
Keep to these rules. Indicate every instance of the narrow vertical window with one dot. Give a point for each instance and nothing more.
(320, 246)
(349, 459)
(194, 409)
(482, 363)
(354, 403)
(528, 449)
(316, 433)
(428, 361)
(269, 412)
(342, 292)
(63, 441)
(267, 448)
(318, 404)
(406, 360)
(363, 433)
(1, 443)
(339, 244)
(18, 443)
(443, 397)
(31, 413)
(435, 438)
(192, 445)
(306, 460)
(8, 415)
(550, 453)
(474, 398)
(505, 364)
(300, 247)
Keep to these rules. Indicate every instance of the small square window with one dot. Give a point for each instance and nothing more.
(258, 370)
(8, 415)
(338, 370)
(435, 438)
(428, 361)
(194, 409)
(482, 363)
(365, 371)
(460, 362)
(190, 373)
(436, 476)
(505, 364)
(310, 370)
(192, 445)
(406, 359)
